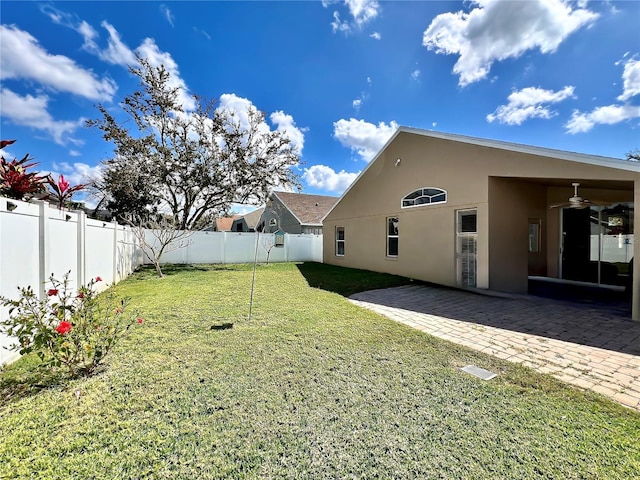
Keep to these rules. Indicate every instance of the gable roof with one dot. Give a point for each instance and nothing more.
(308, 209)
(583, 158)
(223, 224)
(252, 218)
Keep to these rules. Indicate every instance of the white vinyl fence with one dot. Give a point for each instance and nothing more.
(37, 241)
(232, 247)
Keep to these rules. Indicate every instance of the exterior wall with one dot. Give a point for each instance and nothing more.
(286, 221)
(471, 174)
(511, 204)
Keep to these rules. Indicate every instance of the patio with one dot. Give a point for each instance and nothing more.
(592, 346)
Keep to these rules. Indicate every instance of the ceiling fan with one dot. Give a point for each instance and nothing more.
(576, 201)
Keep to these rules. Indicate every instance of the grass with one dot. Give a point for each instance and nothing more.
(312, 387)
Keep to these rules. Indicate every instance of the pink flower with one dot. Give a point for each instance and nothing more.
(98, 279)
(63, 185)
(52, 291)
(140, 320)
(80, 295)
(64, 327)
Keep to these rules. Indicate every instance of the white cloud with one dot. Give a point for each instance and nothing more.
(415, 74)
(202, 32)
(281, 120)
(74, 153)
(71, 21)
(30, 111)
(530, 102)
(326, 178)
(361, 12)
(608, 115)
(369, 81)
(376, 36)
(167, 14)
(357, 103)
(496, 30)
(116, 53)
(631, 80)
(21, 57)
(78, 172)
(363, 137)
(285, 123)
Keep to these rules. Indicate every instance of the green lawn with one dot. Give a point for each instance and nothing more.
(312, 387)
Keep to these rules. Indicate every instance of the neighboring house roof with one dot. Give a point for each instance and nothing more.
(583, 158)
(307, 209)
(223, 224)
(252, 218)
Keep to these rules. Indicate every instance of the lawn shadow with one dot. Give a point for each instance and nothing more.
(17, 382)
(347, 281)
(148, 271)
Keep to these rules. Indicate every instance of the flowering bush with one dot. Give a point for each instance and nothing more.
(73, 329)
(62, 191)
(15, 181)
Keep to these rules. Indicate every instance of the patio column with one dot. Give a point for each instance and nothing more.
(635, 287)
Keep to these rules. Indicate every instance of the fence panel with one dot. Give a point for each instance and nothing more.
(37, 240)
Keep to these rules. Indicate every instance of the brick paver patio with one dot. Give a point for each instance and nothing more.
(591, 347)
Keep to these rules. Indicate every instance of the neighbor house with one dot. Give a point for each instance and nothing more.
(470, 212)
(296, 212)
(223, 224)
(247, 222)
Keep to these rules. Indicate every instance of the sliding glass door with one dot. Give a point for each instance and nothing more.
(597, 243)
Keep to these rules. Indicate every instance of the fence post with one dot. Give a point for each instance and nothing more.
(80, 247)
(114, 223)
(223, 249)
(43, 246)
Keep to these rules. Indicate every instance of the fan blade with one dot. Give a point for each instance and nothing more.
(558, 205)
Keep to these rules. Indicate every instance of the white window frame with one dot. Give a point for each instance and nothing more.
(423, 195)
(340, 241)
(390, 236)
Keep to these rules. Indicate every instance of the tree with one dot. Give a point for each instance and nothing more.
(157, 236)
(190, 164)
(634, 155)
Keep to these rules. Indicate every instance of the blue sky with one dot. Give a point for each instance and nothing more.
(337, 76)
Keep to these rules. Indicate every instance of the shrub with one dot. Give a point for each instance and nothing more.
(72, 329)
(15, 181)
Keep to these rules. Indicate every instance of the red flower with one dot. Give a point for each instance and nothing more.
(52, 291)
(80, 295)
(4, 143)
(98, 279)
(64, 327)
(140, 320)
(63, 185)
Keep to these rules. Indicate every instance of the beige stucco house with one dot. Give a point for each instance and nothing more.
(470, 212)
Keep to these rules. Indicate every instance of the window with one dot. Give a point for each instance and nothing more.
(392, 236)
(340, 241)
(534, 235)
(425, 196)
(467, 247)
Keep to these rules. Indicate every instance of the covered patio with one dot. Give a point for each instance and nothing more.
(579, 236)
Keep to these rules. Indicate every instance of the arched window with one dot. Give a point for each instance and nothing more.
(424, 196)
